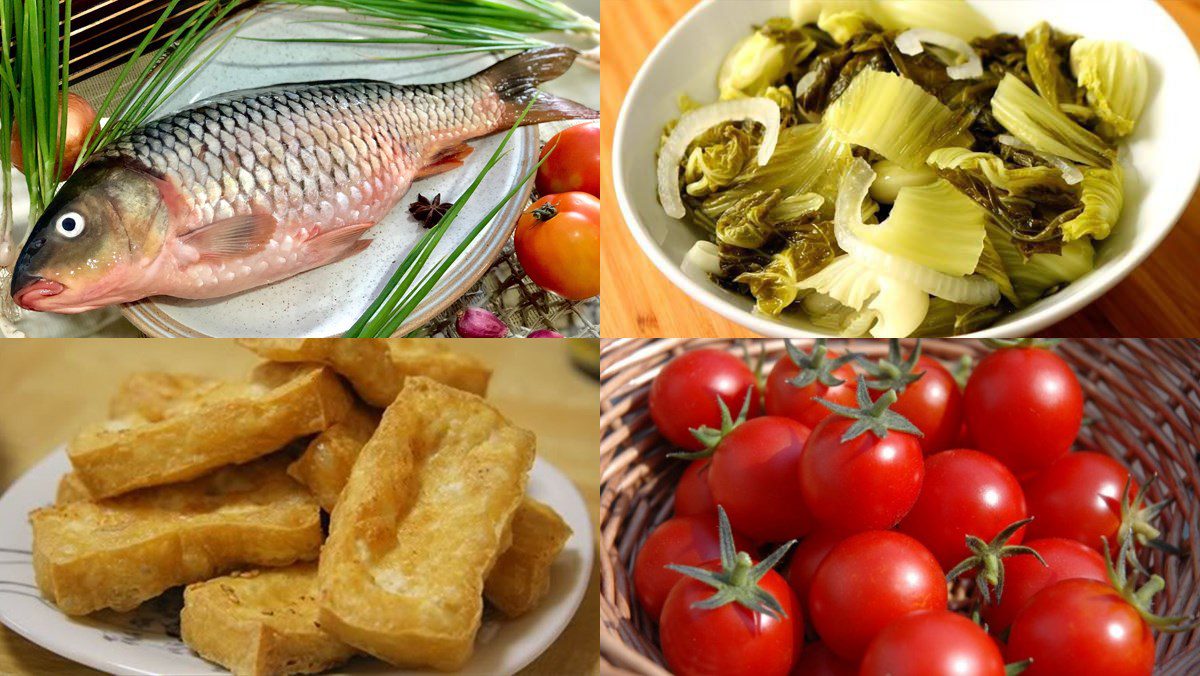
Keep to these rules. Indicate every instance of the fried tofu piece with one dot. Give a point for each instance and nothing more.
(425, 514)
(326, 463)
(521, 576)
(150, 394)
(378, 367)
(119, 552)
(261, 623)
(227, 424)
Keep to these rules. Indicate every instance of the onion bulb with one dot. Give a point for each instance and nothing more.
(80, 116)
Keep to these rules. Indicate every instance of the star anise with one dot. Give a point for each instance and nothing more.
(428, 211)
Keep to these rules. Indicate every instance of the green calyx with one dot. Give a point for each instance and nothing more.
(893, 372)
(962, 370)
(1001, 343)
(737, 581)
(816, 366)
(1141, 597)
(873, 417)
(986, 560)
(1017, 667)
(711, 438)
(1137, 522)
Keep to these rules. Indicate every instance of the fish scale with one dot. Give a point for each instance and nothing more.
(254, 186)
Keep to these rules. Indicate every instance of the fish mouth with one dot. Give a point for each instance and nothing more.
(32, 295)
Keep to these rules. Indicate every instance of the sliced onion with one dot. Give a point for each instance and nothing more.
(1070, 173)
(694, 123)
(704, 256)
(909, 42)
(971, 289)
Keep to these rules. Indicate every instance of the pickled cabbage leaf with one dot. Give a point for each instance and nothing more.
(1117, 81)
(954, 319)
(1029, 203)
(891, 177)
(754, 220)
(1047, 53)
(1032, 119)
(808, 158)
(845, 24)
(1042, 273)
(949, 16)
(898, 308)
(763, 59)
(774, 285)
(894, 117)
(933, 225)
(716, 158)
(1102, 200)
(832, 70)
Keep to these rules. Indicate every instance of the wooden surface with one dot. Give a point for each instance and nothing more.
(1154, 300)
(52, 387)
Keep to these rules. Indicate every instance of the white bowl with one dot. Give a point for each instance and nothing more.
(1162, 159)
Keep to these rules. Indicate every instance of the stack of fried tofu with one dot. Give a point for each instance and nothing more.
(219, 486)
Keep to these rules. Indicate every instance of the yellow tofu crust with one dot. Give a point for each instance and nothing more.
(117, 553)
(261, 623)
(421, 521)
(378, 367)
(326, 463)
(150, 394)
(521, 576)
(227, 424)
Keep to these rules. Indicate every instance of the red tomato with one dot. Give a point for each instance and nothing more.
(933, 643)
(868, 581)
(684, 394)
(1078, 497)
(731, 639)
(1024, 406)
(817, 660)
(683, 540)
(754, 476)
(862, 484)
(558, 243)
(1081, 627)
(1025, 576)
(692, 494)
(965, 493)
(933, 404)
(575, 162)
(799, 403)
(806, 558)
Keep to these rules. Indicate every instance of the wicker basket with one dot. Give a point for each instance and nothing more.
(1141, 397)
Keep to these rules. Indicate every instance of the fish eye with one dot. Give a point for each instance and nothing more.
(69, 225)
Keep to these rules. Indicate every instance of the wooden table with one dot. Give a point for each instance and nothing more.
(639, 301)
(52, 387)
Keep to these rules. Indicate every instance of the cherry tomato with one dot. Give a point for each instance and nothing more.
(1024, 406)
(692, 494)
(799, 403)
(683, 540)
(862, 484)
(1081, 627)
(933, 404)
(684, 394)
(574, 164)
(1078, 497)
(965, 493)
(817, 660)
(932, 643)
(558, 243)
(1025, 576)
(868, 581)
(806, 558)
(755, 477)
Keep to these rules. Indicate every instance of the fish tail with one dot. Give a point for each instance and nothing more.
(516, 78)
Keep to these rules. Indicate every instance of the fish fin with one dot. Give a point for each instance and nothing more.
(447, 160)
(516, 78)
(355, 249)
(333, 241)
(232, 237)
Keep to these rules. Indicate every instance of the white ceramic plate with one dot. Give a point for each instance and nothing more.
(146, 641)
(328, 300)
(1162, 159)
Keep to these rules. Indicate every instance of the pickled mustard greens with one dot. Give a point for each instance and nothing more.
(897, 167)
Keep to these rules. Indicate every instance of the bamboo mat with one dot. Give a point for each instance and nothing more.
(1153, 301)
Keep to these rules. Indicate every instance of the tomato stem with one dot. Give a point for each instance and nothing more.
(816, 366)
(1017, 667)
(1141, 598)
(711, 438)
(871, 416)
(545, 212)
(892, 372)
(987, 560)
